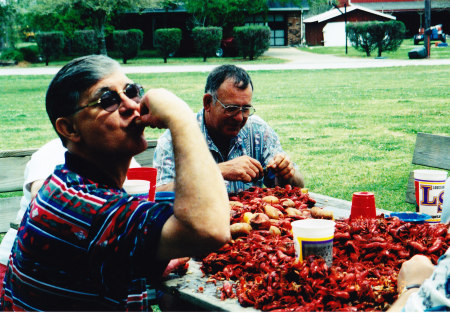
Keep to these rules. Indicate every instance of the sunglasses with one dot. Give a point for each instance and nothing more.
(232, 110)
(110, 100)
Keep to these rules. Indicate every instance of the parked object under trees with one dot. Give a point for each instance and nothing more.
(252, 41)
(383, 36)
(128, 42)
(51, 44)
(207, 40)
(167, 41)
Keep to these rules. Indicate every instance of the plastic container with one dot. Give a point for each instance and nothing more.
(429, 191)
(445, 216)
(145, 173)
(313, 237)
(137, 187)
(418, 218)
(363, 205)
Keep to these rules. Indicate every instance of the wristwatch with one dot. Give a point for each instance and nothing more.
(412, 286)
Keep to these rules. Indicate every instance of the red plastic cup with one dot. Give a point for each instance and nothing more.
(363, 205)
(145, 173)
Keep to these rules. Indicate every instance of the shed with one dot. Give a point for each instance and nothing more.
(328, 28)
(411, 12)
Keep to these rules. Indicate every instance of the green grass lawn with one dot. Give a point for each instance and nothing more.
(401, 53)
(347, 129)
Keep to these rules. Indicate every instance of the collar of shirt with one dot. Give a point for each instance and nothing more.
(87, 170)
(235, 142)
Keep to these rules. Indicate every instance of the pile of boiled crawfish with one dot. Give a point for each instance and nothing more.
(258, 266)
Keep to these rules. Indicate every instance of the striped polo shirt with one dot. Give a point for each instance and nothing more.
(84, 245)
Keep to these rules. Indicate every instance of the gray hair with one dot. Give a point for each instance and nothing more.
(64, 91)
(221, 73)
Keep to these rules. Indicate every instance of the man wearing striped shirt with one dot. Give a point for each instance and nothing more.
(86, 245)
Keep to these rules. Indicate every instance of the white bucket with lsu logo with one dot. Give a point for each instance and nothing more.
(313, 237)
(429, 191)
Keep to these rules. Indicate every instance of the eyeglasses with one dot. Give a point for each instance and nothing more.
(232, 110)
(110, 100)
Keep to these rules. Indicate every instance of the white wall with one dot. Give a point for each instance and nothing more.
(334, 34)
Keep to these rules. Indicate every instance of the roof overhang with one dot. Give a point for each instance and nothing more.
(335, 13)
(404, 5)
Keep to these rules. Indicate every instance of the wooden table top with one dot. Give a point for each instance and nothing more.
(188, 286)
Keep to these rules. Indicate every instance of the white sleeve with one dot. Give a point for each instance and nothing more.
(43, 162)
(134, 163)
(40, 166)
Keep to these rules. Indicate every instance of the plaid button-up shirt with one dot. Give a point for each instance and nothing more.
(256, 139)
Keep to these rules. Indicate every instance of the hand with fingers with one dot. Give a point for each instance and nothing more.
(160, 107)
(175, 265)
(243, 168)
(282, 167)
(414, 271)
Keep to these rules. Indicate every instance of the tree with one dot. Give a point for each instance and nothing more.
(50, 44)
(359, 37)
(252, 40)
(368, 36)
(85, 42)
(389, 35)
(223, 13)
(320, 6)
(98, 11)
(167, 41)
(128, 42)
(207, 40)
(8, 13)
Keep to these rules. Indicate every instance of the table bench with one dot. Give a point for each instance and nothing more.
(12, 166)
(432, 151)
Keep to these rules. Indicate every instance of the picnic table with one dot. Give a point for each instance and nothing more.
(193, 288)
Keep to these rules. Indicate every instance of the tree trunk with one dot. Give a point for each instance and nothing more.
(102, 40)
(100, 17)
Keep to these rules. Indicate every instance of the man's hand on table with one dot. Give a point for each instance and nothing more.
(243, 168)
(414, 271)
(175, 264)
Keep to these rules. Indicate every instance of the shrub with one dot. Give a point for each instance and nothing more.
(252, 40)
(167, 41)
(128, 42)
(12, 54)
(85, 42)
(386, 36)
(51, 44)
(207, 40)
(359, 37)
(30, 53)
(390, 36)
